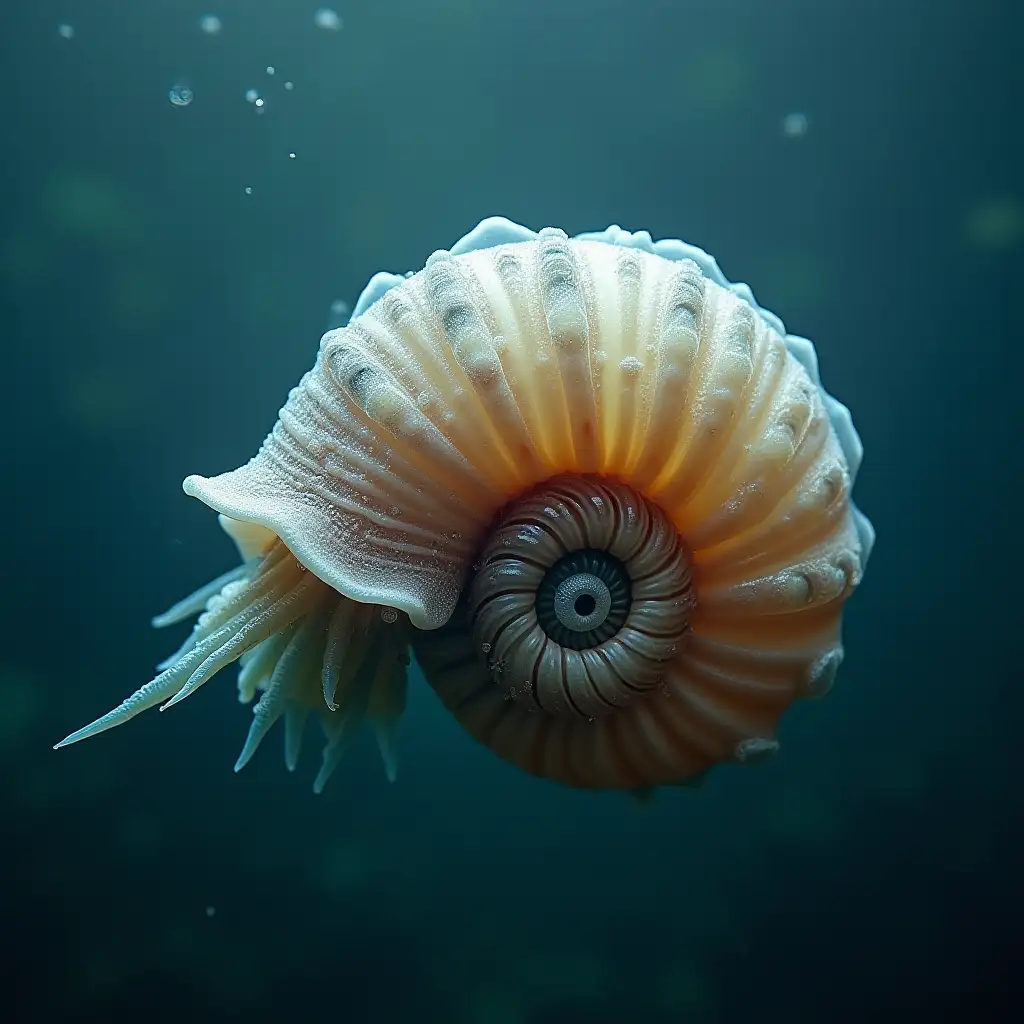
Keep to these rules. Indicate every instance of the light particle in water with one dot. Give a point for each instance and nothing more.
(259, 105)
(794, 125)
(180, 95)
(327, 19)
(210, 24)
(248, 190)
(271, 69)
(210, 911)
(251, 95)
(66, 31)
(340, 314)
(289, 86)
(291, 156)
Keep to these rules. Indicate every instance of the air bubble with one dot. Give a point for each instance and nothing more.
(389, 615)
(271, 69)
(251, 95)
(327, 19)
(66, 31)
(248, 190)
(794, 125)
(180, 95)
(340, 314)
(486, 648)
(210, 24)
(289, 86)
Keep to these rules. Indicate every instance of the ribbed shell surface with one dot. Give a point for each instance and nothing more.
(488, 372)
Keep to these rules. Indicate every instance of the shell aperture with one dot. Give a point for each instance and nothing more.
(593, 487)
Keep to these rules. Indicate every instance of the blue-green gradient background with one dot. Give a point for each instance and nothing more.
(153, 316)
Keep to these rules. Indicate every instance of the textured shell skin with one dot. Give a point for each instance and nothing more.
(517, 356)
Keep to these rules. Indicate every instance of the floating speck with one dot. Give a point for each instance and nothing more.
(291, 156)
(210, 24)
(251, 95)
(248, 190)
(180, 95)
(259, 105)
(270, 69)
(289, 86)
(327, 19)
(66, 31)
(210, 911)
(794, 125)
(389, 615)
(341, 313)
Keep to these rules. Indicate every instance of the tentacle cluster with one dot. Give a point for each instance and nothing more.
(302, 647)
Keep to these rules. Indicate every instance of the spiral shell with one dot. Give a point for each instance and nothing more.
(603, 484)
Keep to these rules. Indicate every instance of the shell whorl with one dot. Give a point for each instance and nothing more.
(581, 598)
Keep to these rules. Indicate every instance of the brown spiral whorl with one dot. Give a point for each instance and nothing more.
(582, 595)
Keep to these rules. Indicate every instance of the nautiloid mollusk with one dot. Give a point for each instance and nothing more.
(594, 491)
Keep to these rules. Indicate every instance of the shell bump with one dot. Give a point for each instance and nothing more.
(593, 488)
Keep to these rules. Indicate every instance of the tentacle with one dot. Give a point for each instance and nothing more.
(301, 645)
(196, 601)
(284, 683)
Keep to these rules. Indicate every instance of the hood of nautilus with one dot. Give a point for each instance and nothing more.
(606, 488)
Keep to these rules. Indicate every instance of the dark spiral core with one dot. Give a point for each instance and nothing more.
(610, 571)
(606, 543)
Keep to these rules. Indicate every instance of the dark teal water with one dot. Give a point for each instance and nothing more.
(153, 316)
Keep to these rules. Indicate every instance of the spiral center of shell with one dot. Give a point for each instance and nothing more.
(582, 602)
(584, 599)
(582, 596)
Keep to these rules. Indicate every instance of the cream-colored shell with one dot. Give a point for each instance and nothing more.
(492, 369)
(520, 359)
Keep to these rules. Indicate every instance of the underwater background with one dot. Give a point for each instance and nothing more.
(170, 250)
